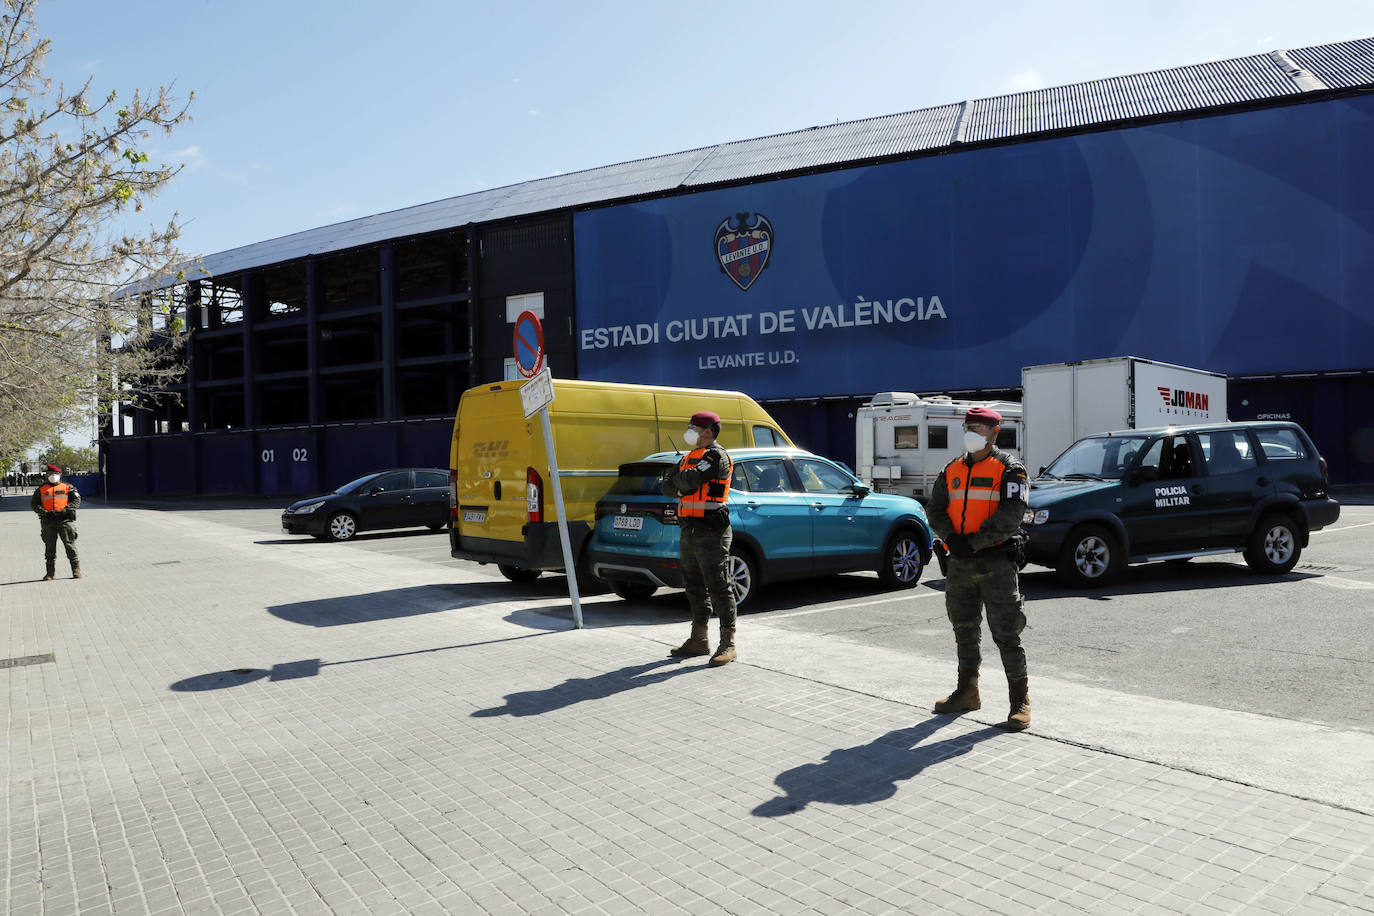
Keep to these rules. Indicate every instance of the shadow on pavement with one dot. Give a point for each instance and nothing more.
(362, 537)
(581, 689)
(408, 602)
(309, 667)
(870, 772)
(1038, 583)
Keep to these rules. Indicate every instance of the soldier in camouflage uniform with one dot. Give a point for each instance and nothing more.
(701, 482)
(55, 503)
(976, 507)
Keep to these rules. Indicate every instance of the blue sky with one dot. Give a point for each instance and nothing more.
(311, 113)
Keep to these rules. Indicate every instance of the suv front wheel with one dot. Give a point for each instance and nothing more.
(1091, 556)
(902, 561)
(1273, 547)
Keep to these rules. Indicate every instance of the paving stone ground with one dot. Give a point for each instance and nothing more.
(238, 724)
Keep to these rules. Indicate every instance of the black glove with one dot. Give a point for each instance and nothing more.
(958, 546)
(69, 514)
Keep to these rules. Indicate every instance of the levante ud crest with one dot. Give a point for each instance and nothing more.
(743, 244)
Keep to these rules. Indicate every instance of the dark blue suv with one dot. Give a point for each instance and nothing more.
(794, 515)
(1174, 493)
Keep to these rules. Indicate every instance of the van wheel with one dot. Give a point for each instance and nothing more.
(744, 575)
(1273, 547)
(902, 561)
(1091, 556)
(341, 527)
(517, 573)
(633, 591)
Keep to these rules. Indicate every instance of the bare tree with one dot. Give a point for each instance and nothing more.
(72, 338)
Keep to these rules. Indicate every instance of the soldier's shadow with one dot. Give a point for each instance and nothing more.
(870, 772)
(581, 689)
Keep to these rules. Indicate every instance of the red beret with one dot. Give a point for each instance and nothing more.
(55, 469)
(705, 418)
(983, 415)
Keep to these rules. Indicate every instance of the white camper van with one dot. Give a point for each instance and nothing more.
(1066, 401)
(903, 441)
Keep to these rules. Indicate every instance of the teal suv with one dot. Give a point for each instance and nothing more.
(1179, 492)
(794, 515)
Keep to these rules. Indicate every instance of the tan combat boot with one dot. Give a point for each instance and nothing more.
(965, 696)
(1019, 718)
(726, 653)
(699, 643)
(76, 570)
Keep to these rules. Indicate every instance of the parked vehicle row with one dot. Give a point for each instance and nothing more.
(1111, 499)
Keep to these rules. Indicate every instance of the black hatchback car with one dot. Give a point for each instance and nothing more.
(1140, 496)
(398, 498)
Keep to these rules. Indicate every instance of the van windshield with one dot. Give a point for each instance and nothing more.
(1096, 458)
(639, 479)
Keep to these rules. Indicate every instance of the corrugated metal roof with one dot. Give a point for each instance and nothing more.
(1143, 95)
(1342, 65)
(1255, 78)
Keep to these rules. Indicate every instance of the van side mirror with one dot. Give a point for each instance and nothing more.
(1041, 472)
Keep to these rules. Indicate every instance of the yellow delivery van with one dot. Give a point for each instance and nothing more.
(501, 502)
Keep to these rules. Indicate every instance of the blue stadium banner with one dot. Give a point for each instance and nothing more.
(1240, 243)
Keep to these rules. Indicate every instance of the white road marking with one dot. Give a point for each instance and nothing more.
(1338, 582)
(1346, 528)
(842, 607)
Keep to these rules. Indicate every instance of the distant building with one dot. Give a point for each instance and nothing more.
(1219, 216)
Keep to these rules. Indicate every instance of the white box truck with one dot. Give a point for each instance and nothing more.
(1064, 402)
(902, 441)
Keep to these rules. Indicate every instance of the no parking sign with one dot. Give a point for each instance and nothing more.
(535, 396)
(529, 344)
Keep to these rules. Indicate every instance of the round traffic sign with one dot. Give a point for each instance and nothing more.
(529, 344)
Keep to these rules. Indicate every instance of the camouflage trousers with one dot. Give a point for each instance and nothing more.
(65, 531)
(989, 582)
(704, 556)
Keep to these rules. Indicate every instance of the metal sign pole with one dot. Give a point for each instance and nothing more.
(562, 519)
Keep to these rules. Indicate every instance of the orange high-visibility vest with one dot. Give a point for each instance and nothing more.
(711, 495)
(54, 496)
(974, 492)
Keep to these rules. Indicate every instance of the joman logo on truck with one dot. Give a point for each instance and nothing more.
(1186, 400)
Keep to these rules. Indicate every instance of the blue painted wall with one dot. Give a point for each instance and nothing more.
(1241, 244)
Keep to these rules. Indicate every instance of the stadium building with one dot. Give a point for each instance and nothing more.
(1219, 216)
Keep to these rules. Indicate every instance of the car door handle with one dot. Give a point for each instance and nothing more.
(1262, 482)
(818, 505)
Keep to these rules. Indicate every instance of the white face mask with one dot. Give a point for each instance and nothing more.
(53, 478)
(691, 437)
(974, 442)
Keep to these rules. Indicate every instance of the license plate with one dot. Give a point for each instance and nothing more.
(628, 523)
(474, 516)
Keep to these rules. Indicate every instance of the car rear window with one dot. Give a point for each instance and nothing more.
(638, 480)
(1281, 444)
(431, 479)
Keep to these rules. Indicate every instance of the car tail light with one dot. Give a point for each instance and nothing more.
(534, 496)
(453, 494)
(1321, 462)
